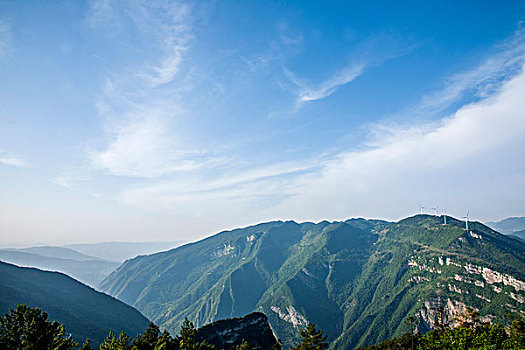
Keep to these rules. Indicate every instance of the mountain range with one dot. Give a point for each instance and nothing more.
(357, 280)
(508, 225)
(87, 263)
(86, 269)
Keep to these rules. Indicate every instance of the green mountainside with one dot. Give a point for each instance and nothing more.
(85, 312)
(356, 280)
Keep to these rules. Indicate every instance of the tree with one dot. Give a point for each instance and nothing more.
(122, 342)
(29, 328)
(148, 340)
(87, 345)
(412, 322)
(311, 339)
(244, 345)
(187, 339)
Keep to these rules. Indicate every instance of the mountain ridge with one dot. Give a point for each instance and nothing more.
(356, 279)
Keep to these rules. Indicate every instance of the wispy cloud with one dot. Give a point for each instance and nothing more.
(140, 110)
(481, 80)
(11, 159)
(416, 163)
(248, 186)
(327, 87)
(372, 52)
(394, 170)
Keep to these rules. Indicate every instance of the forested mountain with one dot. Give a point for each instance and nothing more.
(357, 280)
(86, 312)
(86, 269)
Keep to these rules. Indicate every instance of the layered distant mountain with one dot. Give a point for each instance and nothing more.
(85, 312)
(120, 251)
(86, 269)
(87, 263)
(508, 225)
(356, 280)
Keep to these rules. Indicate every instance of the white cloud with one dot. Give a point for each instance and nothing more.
(143, 147)
(307, 93)
(11, 159)
(247, 185)
(482, 80)
(426, 161)
(139, 110)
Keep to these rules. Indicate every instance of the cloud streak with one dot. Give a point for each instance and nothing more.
(7, 158)
(140, 110)
(409, 163)
(326, 88)
(481, 80)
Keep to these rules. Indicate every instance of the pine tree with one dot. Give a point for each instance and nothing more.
(29, 328)
(311, 339)
(187, 339)
(122, 342)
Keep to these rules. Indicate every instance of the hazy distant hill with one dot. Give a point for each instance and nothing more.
(120, 251)
(357, 280)
(508, 225)
(84, 311)
(89, 270)
(518, 234)
(58, 252)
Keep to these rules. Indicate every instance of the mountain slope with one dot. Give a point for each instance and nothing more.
(85, 312)
(357, 280)
(90, 272)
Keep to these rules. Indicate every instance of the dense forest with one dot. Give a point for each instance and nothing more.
(30, 328)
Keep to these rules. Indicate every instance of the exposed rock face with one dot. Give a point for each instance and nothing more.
(429, 315)
(225, 334)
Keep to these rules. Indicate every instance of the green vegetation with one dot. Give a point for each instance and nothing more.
(471, 334)
(311, 339)
(357, 280)
(26, 328)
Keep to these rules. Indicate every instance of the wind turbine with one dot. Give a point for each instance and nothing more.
(466, 220)
(421, 209)
(445, 216)
(436, 210)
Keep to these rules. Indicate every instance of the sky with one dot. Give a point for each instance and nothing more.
(172, 120)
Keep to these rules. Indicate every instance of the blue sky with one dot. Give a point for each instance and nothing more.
(166, 120)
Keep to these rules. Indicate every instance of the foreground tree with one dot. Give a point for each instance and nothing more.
(29, 328)
(469, 335)
(122, 342)
(311, 339)
(187, 339)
